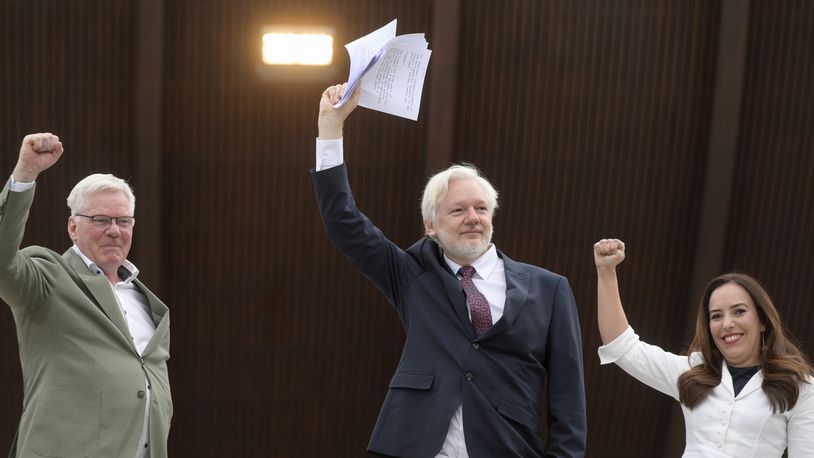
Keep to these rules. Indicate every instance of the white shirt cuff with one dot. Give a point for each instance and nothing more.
(329, 154)
(19, 187)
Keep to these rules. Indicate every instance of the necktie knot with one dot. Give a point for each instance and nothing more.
(466, 272)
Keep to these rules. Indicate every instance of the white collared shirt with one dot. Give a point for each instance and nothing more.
(723, 425)
(489, 278)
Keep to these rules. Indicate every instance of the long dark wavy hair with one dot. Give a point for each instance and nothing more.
(783, 364)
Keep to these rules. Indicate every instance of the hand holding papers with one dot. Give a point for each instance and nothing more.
(389, 71)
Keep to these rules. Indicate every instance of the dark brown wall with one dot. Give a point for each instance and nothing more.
(592, 118)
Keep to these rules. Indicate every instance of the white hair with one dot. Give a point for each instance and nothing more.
(438, 186)
(99, 182)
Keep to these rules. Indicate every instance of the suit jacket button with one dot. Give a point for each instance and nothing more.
(475, 345)
(140, 394)
(469, 377)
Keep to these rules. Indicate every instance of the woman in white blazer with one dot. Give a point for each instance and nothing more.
(745, 388)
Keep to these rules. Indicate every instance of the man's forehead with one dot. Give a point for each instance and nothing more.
(111, 198)
(467, 199)
(107, 195)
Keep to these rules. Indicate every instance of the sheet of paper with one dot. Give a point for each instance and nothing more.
(395, 82)
(364, 52)
(389, 71)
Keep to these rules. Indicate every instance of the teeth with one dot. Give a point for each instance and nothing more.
(731, 338)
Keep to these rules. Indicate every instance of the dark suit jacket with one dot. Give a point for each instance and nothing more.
(498, 377)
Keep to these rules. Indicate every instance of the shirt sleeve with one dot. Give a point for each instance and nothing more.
(646, 363)
(15, 186)
(618, 347)
(329, 154)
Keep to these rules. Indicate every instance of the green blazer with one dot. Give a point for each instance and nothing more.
(83, 380)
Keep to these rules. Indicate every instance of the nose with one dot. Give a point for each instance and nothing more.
(113, 230)
(471, 216)
(728, 323)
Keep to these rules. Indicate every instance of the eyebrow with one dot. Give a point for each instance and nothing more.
(463, 203)
(731, 307)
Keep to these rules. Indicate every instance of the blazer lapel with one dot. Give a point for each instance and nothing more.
(157, 308)
(517, 292)
(455, 293)
(159, 313)
(755, 383)
(99, 290)
(452, 286)
(726, 380)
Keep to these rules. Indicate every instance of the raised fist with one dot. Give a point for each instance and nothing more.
(37, 153)
(609, 252)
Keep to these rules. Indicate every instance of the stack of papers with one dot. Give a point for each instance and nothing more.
(389, 71)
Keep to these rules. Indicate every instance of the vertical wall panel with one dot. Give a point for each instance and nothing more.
(772, 212)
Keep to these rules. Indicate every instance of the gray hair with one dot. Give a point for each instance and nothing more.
(438, 186)
(98, 182)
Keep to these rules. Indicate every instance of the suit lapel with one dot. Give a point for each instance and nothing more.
(455, 294)
(158, 312)
(452, 286)
(726, 380)
(517, 292)
(99, 290)
(157, 308)
(755, 383)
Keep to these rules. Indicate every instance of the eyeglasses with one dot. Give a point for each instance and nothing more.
(103, 221)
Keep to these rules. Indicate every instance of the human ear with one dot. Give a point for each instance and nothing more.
(428, 228)
(72, 228)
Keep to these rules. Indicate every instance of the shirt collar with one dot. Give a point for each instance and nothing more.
(483, 265)
(127, 271)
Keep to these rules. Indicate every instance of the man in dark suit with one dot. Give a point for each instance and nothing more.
(484, 332)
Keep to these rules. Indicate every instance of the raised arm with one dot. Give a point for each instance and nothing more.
(21, 277)
(331, 119)
(608, 253)
(37, 153)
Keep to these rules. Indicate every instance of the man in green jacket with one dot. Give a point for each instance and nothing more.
(94, 341)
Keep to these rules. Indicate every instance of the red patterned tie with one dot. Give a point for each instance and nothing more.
(478, 305)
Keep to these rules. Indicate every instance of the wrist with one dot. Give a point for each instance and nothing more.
(606, 270)
(22, 175)
(330, 134)
(329, 129)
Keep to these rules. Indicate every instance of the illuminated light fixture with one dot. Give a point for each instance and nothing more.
(297, 46)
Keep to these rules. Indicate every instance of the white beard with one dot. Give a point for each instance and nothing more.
(463, 249)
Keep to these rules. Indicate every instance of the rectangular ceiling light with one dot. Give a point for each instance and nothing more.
(297, 46)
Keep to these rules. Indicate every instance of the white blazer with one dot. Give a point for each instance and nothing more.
(723, 425)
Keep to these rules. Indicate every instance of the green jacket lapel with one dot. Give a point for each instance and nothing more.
(159, 313)
(100, 291)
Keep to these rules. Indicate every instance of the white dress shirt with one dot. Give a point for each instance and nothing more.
(723, 425)
(490, 279)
